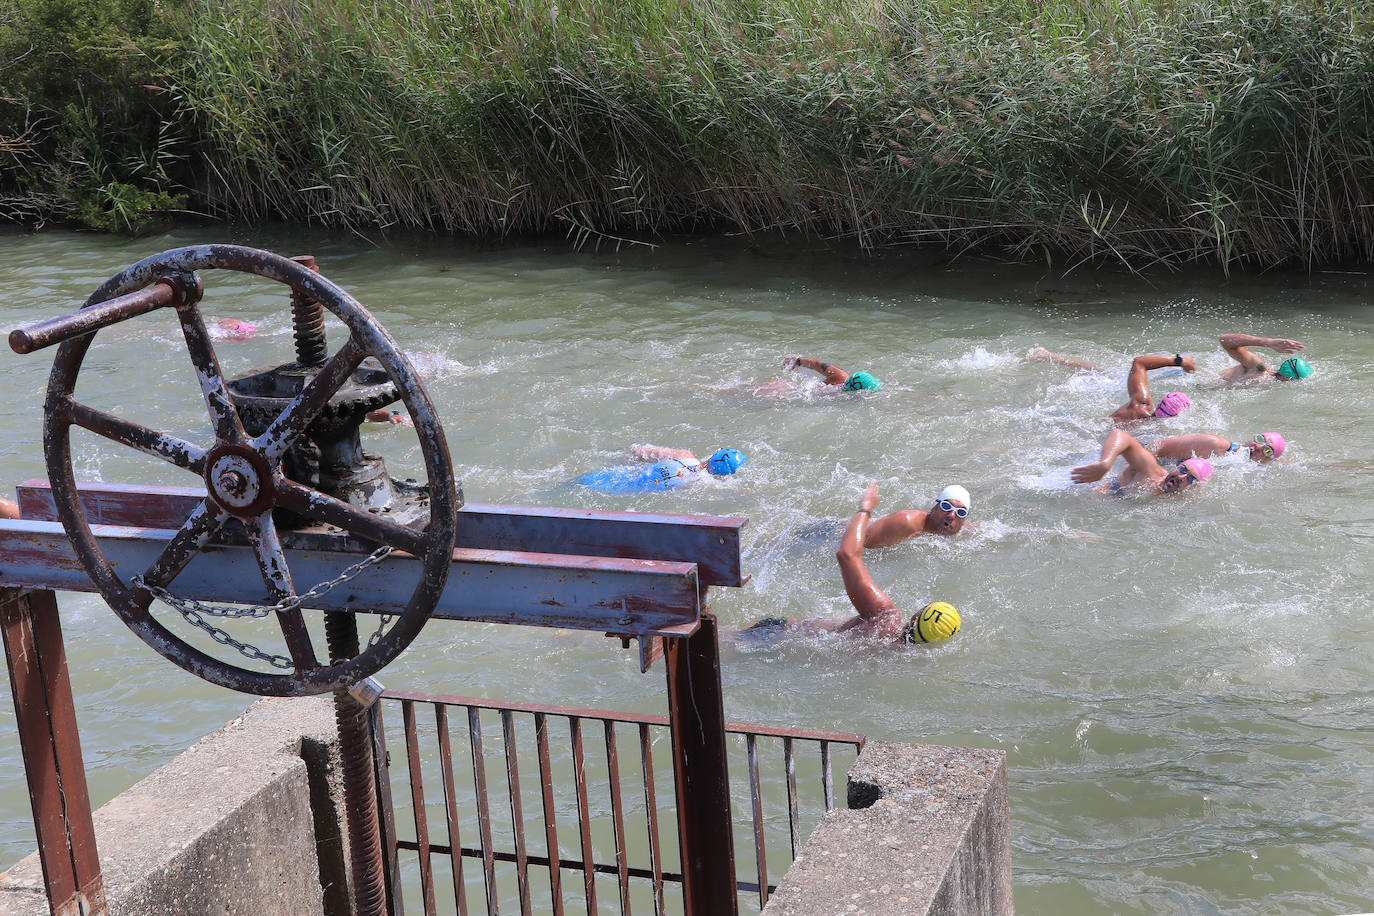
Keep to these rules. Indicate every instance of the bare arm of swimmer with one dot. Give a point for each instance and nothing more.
(661, 452)
(894, 528)
(1192, 445)
(1041, 355)
(1120, 443)
(834, 375)
(1237, 345)
(878, 614)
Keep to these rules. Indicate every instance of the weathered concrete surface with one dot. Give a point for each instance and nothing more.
(226, 828)
(927, 833)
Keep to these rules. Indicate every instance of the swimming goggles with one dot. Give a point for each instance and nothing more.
(948, 506)
(1265, 447)
(1187, 474)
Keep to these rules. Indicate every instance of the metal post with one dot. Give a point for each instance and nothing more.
(46, 717)
(696, 710)
(359, 778)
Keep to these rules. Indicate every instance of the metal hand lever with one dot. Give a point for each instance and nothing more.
(169, 290)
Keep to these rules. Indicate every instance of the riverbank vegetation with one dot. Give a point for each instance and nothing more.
(1229, 131)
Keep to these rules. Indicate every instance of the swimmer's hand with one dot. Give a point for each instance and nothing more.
(1189, 364)
(1283, 345)
(1089, 472)
(789, 362)
(870, 498)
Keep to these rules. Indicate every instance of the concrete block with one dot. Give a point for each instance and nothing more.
(226, 828)
(927, 834)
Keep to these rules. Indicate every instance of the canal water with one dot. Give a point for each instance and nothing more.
(1180, 684)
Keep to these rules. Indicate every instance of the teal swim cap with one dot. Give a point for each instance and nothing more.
(1295, 367)
(862, 381)
(725, 461)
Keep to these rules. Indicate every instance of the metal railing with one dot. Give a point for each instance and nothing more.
(467, 859)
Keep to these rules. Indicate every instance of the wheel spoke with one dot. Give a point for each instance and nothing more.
(262, 533)
(223, 415)
(169, 448)
(301, 412)
(193, 534)
(322, 508)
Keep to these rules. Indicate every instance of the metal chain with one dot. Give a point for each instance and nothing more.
(191, 610)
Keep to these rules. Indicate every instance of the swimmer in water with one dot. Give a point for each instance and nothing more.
(834, 376)
(1265, 447)
(877, 617)
(671, 468)
(946, 517)
(1144, 469)
(234, 329)
(394, 417)
(1251, 367)
(1139, 405)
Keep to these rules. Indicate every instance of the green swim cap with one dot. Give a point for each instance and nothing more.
(862, 381)
(1295, 367)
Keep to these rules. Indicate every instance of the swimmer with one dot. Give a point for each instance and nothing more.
(234, 329)
(672, 468)
(8, 508)
(834, 376)
(1144, 470)
(1139, 405)
(394, 417)
(946, 517)
(1263, 448)
(878, 616)
(1251, 367)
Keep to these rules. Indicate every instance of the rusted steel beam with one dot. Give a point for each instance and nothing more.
(603, 594)
(711, 542)
(46, 718)
(696, 710)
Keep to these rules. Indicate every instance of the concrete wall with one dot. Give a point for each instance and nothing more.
(238, 825)
(927, 833)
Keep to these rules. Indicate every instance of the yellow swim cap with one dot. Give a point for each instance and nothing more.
(935, 622)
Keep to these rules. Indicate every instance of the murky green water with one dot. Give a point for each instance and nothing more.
(1181, 684)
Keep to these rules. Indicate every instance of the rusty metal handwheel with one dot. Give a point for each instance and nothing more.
(242, 474)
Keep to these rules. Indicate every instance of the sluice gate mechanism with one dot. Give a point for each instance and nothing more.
(281, 521)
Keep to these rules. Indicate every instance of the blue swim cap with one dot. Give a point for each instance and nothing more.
(862, 381)
(725, 461)
(1295, 367)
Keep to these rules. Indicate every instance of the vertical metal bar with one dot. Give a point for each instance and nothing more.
(756, 800)
(353, 722)
(517, 814)
(455, 840)
(417, 801)
(541, 739)
(386, 821)
(646, 761)
(479, 784)
(584, 815)
(790, 764)
(622, 863)
(696, 710)
(51, 748)
(827, 777)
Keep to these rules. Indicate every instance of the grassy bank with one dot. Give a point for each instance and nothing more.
(1227, 131)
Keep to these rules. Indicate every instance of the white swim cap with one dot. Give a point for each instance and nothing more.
(954, 491)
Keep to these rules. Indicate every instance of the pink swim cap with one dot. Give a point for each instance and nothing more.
(1200, 468)
(1172, 404)
(1276, 442)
